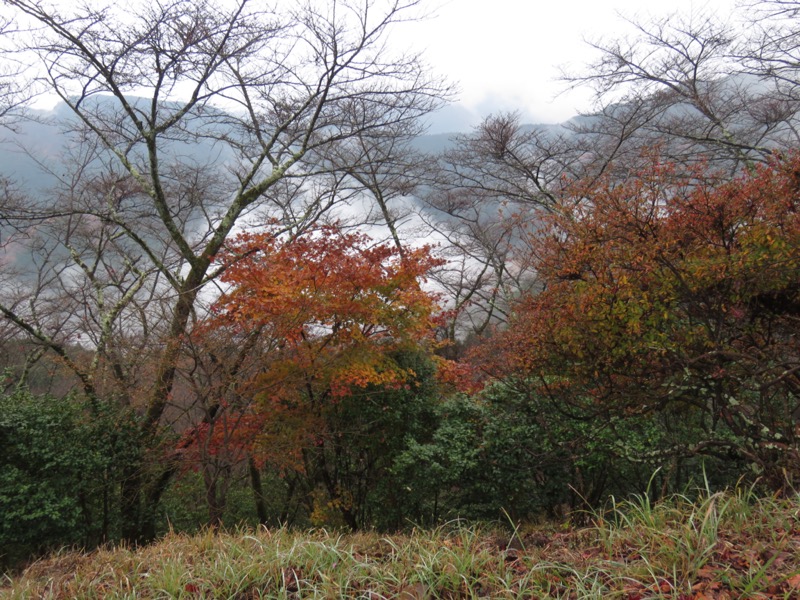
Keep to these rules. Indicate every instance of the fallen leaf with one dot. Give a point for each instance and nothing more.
(417, 591)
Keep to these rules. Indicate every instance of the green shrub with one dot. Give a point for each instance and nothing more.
(507, 452)
(57, 472)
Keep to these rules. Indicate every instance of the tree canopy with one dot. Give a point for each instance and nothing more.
(660, 293)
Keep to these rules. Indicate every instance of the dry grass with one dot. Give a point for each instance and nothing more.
(722, 546)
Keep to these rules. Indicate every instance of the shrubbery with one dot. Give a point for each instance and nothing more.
(57, 474)
(508, 453)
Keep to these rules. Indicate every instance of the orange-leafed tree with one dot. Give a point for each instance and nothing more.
(330, 340)
(662, 295)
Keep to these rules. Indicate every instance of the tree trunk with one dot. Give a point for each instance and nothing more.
(131, 505)
(258, 491)
(215, 499)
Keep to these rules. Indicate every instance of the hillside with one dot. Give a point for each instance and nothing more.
(721, 546)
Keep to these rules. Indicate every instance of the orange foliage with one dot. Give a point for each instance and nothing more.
(334, 305)
(330, 309)
(660, 290)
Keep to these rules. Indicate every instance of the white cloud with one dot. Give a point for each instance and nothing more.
(506, 54)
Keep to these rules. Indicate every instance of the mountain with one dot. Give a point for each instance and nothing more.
(34, 153)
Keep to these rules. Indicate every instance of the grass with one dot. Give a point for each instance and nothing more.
(720, 546)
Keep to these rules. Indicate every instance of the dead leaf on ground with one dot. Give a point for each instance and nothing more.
(416, 591)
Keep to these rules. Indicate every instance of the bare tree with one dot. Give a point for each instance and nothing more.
(125, 247)
(490, 187)
(698, 90)
(773, 49)
(703, 90)
(13, 92)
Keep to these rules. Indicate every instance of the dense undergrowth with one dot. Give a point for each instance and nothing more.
(722, 545)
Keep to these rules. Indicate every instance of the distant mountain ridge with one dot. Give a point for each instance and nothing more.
(33, 153)
(35, 150)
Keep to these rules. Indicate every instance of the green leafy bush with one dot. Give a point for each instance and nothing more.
(507, 452)
(57, 472)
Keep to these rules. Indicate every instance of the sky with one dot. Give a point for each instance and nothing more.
(506, 54)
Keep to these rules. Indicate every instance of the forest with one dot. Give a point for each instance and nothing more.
(242, 293)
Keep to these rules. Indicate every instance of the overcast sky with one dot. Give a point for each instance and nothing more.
(506, 54)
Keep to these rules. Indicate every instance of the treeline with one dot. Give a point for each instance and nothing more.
(613, 307)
